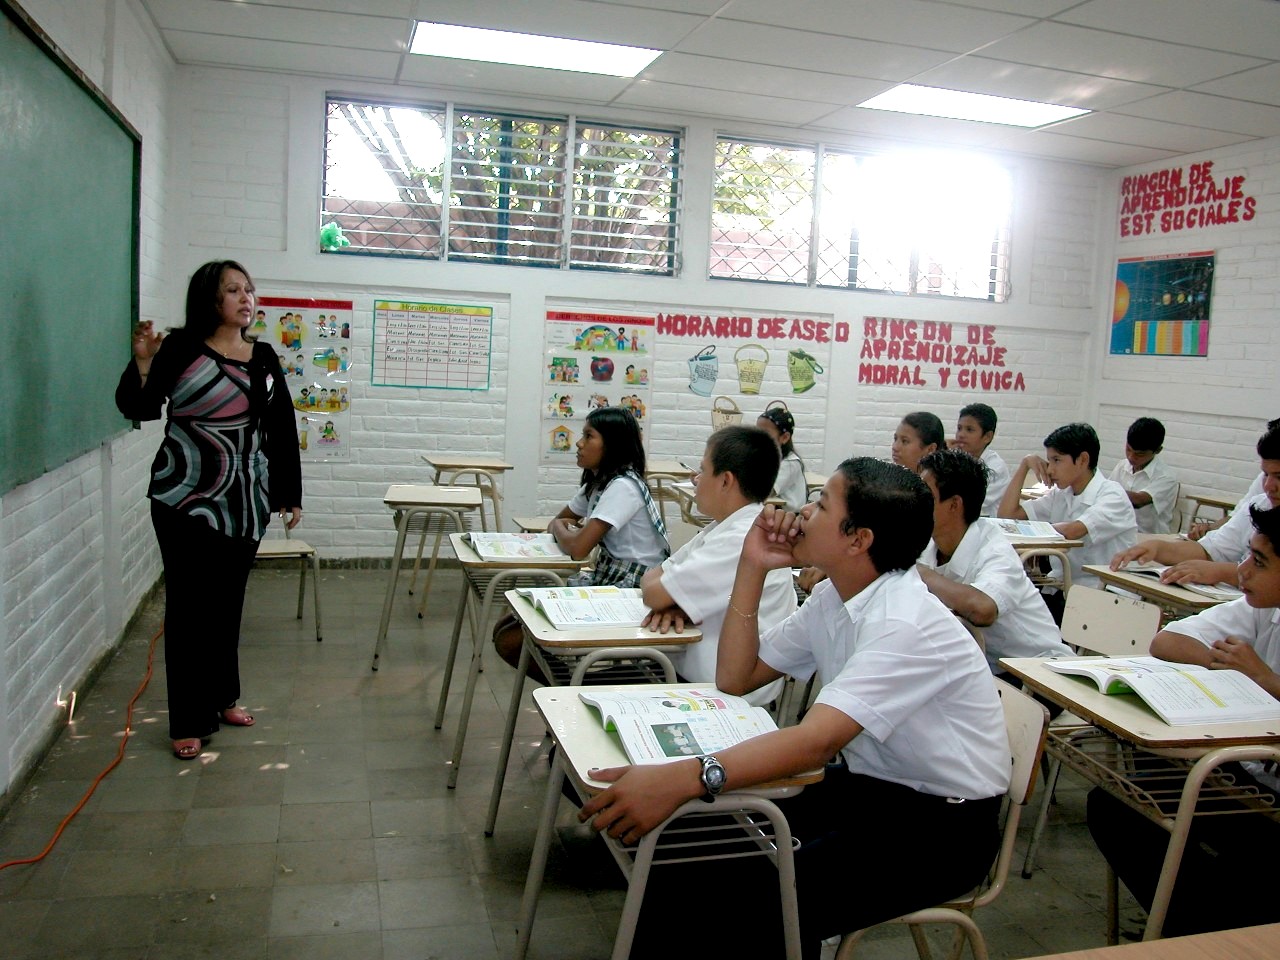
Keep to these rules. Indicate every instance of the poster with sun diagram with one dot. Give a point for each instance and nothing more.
(1161, 305)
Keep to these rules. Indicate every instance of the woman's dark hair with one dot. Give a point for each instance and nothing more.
(928, 427)
(781, 418)
(204, 297)
(894, 504)
(623, 448)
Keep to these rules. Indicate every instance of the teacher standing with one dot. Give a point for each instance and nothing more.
(229, 458)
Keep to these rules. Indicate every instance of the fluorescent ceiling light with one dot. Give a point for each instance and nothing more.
(958, 105)
(529, 50)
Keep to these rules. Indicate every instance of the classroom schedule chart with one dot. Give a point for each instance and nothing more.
(431, 345)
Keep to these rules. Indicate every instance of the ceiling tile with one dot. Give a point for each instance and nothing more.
(1039, 143)
(1112, 55)
(916, 23)
(575, 19)
(279, 23)
(1261, 85)
(937, 132)
(1025, 82)
(722, 104)
(786, 48)
(278, 56)
(1146, 133)
(763, 78)
(502, 80)
(375, 8)
(1243, 26)
(1214, 113)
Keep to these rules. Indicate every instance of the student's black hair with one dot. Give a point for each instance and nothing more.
(204, 297)
(750, 454)
(928, 426)
(985, 416)
(1269, 448)
(1146, 433)
(956, 473)
(623, 447)
(894, 504)
(781, 418)
(1267, 522)
(1074, 439)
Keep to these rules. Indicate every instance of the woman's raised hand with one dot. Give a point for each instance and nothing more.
(146, 341)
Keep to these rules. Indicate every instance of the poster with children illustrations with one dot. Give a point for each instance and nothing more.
(312, 338)
(592, 360)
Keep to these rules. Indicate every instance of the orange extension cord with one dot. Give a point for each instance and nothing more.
(124, 742)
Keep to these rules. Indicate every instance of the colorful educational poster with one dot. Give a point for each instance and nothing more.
(312, 338)
(592, 360)
(444, 346)
(1162, 304)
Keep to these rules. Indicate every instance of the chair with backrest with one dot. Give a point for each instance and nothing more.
(1095, 622)
(291, 548)
(1060, 581)
(1026, 722)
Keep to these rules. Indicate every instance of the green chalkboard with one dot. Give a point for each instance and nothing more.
(69, 188)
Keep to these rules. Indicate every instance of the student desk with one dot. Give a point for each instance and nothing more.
(1023, 544)
(1199, 500)
(1246, 943)
(581, 744)
(481, 582)
(813, 482)
(532, 524)
(588, 645)
(484, 469)
(1131, 744)
(1173, 599)
(661, 476)
(415, 505)
(667, 468)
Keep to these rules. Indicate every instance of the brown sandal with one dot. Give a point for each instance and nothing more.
(187, 749)
(236, 716)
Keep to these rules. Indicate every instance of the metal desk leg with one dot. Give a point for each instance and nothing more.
(513, 712)
(456, 516)
(473, 675)
(1178, 842)
(538, 859)
(401, 529)
(447, 679)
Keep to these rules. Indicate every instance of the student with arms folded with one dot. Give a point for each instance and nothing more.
(907, 703)
(1213, 558)
(970, 566)
(1150, 484)
(736, 474)
(1227, 875)
(975, 430)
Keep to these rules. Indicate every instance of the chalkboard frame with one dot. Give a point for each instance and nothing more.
(65, 351)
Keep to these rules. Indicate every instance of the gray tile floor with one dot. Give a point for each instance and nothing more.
(327, 831)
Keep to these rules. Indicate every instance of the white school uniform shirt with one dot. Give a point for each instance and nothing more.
(986, 561)
(790, 485)
(699, 577)
(1230, 542)
(1260, 628)
(1156, 479)
(1103, 508)
(631, 535)
(997, 481)
(898, 662)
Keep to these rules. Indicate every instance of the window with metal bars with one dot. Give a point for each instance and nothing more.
(501, 188)
(919, 225)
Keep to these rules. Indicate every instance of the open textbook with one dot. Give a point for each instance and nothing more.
(1218, 591)
(658, 726)
(528, 546)
(1026, 529)
(570, 607)
(1179, 693)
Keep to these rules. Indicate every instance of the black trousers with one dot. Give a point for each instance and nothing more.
(1227, 877)
(205, 574)
(869, 851)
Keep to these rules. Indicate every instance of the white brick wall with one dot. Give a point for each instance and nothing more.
(1063, 246)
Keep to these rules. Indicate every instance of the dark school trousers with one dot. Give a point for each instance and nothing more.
(869, 851)
(1227, 877)
(205, 574)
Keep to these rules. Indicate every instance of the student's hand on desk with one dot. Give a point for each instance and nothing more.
(1144, 552)
(1233, 654)
(1191, 571)
(1034, 463)
(768, 543)
(670, 618)
(1199, 529)
(641, 797)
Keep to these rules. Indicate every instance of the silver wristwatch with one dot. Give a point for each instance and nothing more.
(713, 777)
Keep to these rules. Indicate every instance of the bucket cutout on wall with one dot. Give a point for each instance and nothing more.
(704, 370)
(725, 413)
(750, 369)
(802, 369)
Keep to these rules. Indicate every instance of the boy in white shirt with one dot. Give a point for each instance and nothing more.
(975, 430)
(970, 566)
(736, 474)
(1226, 878)
(907, 702)
(1081, 505)
(1213, 558)
(1151, 486)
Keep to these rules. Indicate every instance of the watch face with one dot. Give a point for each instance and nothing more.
(713, 776)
